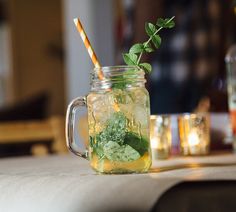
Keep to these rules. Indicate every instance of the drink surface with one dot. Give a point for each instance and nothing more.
(119, 140)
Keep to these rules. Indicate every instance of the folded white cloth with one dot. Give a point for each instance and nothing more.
(67, 184)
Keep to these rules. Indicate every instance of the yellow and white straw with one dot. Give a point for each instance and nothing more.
(88, 46)
(91, 53)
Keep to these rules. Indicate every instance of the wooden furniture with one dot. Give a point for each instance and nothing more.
(36, 41)
(39, 133)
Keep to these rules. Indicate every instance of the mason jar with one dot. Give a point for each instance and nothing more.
(118, 121)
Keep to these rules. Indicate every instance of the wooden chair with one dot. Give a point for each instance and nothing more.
(39, 133)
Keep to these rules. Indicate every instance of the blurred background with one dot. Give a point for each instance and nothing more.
(44, 64)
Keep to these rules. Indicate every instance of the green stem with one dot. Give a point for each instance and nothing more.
(146, 43)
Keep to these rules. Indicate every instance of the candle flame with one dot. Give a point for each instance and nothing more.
(154, 143)
(193, 139)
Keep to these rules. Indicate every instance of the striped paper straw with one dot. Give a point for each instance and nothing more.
(88, 46)
(91, 52)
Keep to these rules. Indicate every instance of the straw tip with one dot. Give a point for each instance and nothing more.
(76, 21)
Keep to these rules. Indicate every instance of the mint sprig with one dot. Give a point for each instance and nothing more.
(116, 143)
(133, 57)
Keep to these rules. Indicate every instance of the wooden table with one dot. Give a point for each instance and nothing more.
(67, 184)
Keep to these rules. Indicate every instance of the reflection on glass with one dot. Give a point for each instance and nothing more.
(160, 132)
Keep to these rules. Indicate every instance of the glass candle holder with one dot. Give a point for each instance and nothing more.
(160, 136)
(194, 134)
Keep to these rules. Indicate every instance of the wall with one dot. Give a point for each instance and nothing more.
(4, 62)
(97, 19)
(36, 43)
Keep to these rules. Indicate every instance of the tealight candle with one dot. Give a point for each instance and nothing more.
(160, 135)
(194, 134)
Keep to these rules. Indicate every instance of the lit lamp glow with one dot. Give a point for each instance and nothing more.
(154, 147)
(160, 135)
(154, 143)
(193, 139)
(194, 134)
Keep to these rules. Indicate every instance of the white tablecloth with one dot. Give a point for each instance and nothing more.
(67, 184)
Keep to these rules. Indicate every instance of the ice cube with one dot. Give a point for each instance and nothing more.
(100, 108)
(140, 96)
(122, 96)
(141, 115)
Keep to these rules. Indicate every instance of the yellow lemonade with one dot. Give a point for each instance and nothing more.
(119, 139)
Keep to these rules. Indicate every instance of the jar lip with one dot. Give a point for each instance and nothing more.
(116, 68)
(128, 75)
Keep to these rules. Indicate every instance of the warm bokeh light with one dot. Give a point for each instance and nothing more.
(193, 139)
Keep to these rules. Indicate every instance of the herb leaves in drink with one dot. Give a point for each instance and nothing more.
(116, 143)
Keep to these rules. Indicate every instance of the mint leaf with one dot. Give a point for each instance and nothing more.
(150, 29)
(146, 67)
(171, 24)
(156, 40)
(147, 47)
(97, 145)
(165, 23)
(136, 48)
(138, 143)
(116, 144)
(115, 131)
(130, 59)
(115, 152)
(136, 51)
(115, 128)
(161, 22)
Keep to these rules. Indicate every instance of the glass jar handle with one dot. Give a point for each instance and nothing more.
(70, 125)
